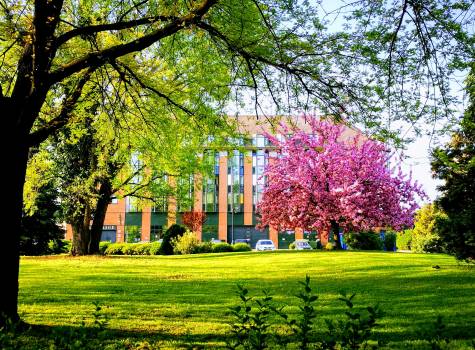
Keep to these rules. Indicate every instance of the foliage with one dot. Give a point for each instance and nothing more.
(115, 249)
(252, 328)
(194, 220)
(174, 231)
(425, 235)
(186, 244)
(292, 245)
(221, 247)
(155, 248)
(322, 180)
(455, 165)
(329, 246)
(205, 247)
(355, 331)
(390, 241)
(365, 240)
(59, 246)
(103, 247)
(241, 247)
(404, 240)
(40, 223)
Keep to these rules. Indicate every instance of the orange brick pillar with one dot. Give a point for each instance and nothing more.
(198, 200)
(323, 238)
(298, 233)
(146, 223)
(69, 232)
(274, 236)
(171, 215)
(248, 188)
(223, 197)
(116, 216)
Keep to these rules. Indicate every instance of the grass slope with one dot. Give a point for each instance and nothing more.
(183, 300)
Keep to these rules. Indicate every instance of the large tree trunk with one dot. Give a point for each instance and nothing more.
(105, 193)
(335, 231)
(15, 157)
(80, 226)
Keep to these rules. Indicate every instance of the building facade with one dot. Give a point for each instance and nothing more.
(229, 196)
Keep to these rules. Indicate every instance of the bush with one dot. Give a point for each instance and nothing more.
(59, 246)
(366, 240)
(315, 244)
(390, 241)
(292, 246)
(404, 240)
(103, 246)
(204, 247)
(141, 248)
(186, 244)
(425, 236)
(115, 249)
(173, 231)
(241, 247)
(129, 249)
(222, 247)
(329, 246)
(154, 248)
(251, 327)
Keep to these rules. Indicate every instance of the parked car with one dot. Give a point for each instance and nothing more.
(302, 245)
(265, 244)
(243, 240)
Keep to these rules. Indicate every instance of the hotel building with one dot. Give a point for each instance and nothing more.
(228, 197)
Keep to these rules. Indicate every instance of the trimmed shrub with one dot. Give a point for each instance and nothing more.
(129, 249)
(115, 249)
(292, 246)
(154, 248)
(103, 246)
(204, 247)
(390, 241)
(222, 247)
(141, 248)
(173, 231)
(329, 246)
(186, 244)
(404, 240)
(366, 240)
(241, 247)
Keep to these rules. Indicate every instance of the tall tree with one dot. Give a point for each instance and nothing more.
(455, 165)
(324, 180)
(50, 49)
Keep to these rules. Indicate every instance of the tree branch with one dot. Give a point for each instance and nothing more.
(64, 116)
(96, 59)
(108, 27)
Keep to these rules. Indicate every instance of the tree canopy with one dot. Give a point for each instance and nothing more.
(326, 178)
(454, 163)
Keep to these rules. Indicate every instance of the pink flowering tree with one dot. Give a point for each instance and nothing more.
(326, 180)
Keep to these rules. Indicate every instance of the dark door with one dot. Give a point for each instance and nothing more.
(108, 235)
(247, 232)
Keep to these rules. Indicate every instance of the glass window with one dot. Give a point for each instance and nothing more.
(133, 234)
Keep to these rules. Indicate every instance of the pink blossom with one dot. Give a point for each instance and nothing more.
(319, 178)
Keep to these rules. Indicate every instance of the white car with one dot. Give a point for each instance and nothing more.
(265, 244)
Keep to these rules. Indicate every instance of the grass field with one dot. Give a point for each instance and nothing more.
(182, 301)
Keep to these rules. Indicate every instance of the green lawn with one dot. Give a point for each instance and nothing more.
(183, 300)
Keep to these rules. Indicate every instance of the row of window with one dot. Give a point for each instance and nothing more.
(210, 189)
